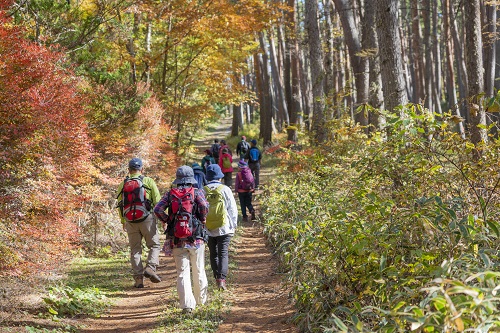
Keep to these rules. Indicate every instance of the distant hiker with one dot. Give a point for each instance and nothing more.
(199, 175)
(254, 156)
(223, 145)
(226, 165)
(137, 195)
(183, 211)
(207, 160)
(242, 147)
(215, 148)
(221, 223)
(245, 185)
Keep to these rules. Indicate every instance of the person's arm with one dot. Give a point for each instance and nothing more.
(154, 194)
(232, 208)
(237, 181)
(202, 206)
(161, 207)
(238, 148)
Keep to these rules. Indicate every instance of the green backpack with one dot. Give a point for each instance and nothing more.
(217, 216)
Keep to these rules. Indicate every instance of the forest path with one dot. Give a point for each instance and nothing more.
(258, 302)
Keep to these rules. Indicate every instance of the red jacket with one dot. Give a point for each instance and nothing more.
(221, 157)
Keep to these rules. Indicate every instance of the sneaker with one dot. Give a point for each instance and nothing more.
(187, 310)
(150, 274)
(253, 214)
(221, 284)
(139, 282)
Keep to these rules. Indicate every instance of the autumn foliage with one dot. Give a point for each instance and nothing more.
(45, 151)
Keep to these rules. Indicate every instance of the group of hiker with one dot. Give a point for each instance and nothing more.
(198, 209)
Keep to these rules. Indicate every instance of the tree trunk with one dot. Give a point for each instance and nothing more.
(450, 87)
(359, 63)
(370, 47)
(391, 66)
(317, 72)
(418, 65)
(490, 31)
(436, 54)
(475, 69)
(293, 52)
(266, 109)
(426, 9)
(280, 98)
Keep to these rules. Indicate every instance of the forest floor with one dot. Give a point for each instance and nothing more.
(257, 301)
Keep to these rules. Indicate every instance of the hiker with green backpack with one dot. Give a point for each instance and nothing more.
(221, 222)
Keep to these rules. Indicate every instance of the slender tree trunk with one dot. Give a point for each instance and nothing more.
(370, 47)
(329, 39)
(426, 9)
(391, 65)
(475, 69)
(490, 31)
(266, 111)
(450, 87)
(417, 55)
(294, 70)
(436, 53)
(359, 63)
(278, 84)
(461, 68)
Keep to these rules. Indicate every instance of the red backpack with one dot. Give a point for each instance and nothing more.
(136, 208)
(181, 223)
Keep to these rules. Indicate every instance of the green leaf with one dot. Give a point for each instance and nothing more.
(494, 226)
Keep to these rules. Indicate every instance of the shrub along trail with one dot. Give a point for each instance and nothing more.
(258, 302)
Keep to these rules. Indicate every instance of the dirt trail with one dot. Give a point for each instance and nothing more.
(258, 302)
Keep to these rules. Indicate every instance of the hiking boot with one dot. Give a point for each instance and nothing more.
(139, 282)
(150, 274)
(221, 284)
(253, 214)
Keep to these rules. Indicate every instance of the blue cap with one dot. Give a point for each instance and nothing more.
(254, 141)
(135, 164)
(214, 172)
(242, 164)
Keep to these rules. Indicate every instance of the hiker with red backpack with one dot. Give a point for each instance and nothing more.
(183, 212)
(245, 185)
(221, 223)
(226, 165)
(137, 195)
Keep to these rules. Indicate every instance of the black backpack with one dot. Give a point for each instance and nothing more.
(215, 150)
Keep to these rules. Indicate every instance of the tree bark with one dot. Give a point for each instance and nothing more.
(293, 55)
(391, 66)
(450, 86)
(418, 65)
(475, 69)
(359, 63)
(266, 109)
(317, 72)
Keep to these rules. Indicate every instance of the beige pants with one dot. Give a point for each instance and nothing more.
(186, 260)
(136, 232)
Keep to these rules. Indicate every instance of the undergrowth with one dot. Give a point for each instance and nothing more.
(394, 232)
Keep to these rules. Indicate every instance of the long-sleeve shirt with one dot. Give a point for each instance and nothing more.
(152, 193)
(231, 211)
(200, 202)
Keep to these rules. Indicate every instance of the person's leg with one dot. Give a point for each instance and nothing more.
(214, 258)
(249, 202)
(200, 283)
(135, 244)
(241, 197)
(257, 175)
(150, 233)
(223, 256)
(184, 289)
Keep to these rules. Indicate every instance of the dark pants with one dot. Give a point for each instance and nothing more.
(245, 202)
(255, 167)
(219, 255)
(228, 179)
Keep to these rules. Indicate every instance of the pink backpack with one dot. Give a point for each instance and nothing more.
(246, 180)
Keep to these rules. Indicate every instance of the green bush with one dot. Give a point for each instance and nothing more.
(375, 232)
(69, 301)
